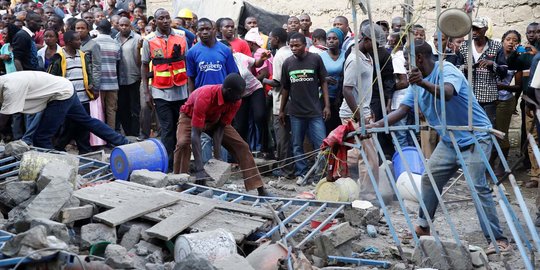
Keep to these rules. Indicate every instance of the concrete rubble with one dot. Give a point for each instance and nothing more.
(47, 212)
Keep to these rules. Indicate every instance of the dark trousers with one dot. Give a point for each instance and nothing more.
(129, 108)
(253, 105)
(168, 113)
(72, 110)
(74, 131)
(491, 110)
(385, 140)
(334, 120)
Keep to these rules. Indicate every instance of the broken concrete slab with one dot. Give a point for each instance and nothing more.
(53, 228)
(219, 171)
(24, 243)
(144, 248)
(336, 241)
(360, 217)
(117, 257)
(149, 178)
(55, 195)
(96, 232)
(458, 257)
(233, 262)
(17, 192)
(131, 237)
(156, 257)
(177, 179)
(71, 214)
(194, 262)
(16, 148)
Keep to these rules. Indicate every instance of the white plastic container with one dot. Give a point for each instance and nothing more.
(405, 186)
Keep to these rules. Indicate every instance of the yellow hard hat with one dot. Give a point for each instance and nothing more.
(185, 13)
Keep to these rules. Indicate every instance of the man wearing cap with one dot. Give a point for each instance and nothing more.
(186, 15)
(211, 109)
(166, 50)
(485, 66)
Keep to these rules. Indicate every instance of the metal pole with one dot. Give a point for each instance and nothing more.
(359, 77)
(441, 50)
(469, 70)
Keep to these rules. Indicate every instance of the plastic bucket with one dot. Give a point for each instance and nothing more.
(149, 154)
(405, 188)
(413, 159)
(342, 190)
(212, 245)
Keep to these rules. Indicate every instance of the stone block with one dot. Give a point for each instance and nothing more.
(336, 241)
(458, 257)
(233, 262)
(116, 256)
(144, 248)
(57, 229)
(17, 192)
(219, 171)
(149, 178)
(16, 148)
(177, 179)
(96, 232)
(131, 237)
(359, 217)
(194, 262)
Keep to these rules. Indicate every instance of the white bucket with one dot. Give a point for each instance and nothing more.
(405, 187)
(212, 245)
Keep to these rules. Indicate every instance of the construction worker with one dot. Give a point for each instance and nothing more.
(187, 15)
(168, 90)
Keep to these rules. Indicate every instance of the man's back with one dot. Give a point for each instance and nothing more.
(110, 55)
(25, 50)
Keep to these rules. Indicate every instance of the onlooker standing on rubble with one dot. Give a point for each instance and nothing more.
(302, 75)
(251, 22)
(129, 78)
(444, 161)
(305, 24)
(227, 30)
(92, 49)
(211, 109)
(110, 55)
(486, 68)
(342, 23)
(356, 102)
(168, 91)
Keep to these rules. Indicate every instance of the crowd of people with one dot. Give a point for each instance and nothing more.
(183, 77)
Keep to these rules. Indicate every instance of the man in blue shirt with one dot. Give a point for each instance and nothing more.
(444, 161)
(208, 61)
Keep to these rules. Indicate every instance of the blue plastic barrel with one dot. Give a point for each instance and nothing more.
(413, 159)
(149, 154)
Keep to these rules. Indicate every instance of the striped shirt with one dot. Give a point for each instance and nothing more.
(74, 73)
(110, 55)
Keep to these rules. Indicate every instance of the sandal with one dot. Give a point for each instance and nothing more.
(504, 246)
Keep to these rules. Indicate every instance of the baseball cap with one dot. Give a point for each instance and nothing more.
(480, 22)
(380, 36)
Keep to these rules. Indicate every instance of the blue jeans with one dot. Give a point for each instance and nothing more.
(403, 136)
(32, 123)
(207, 144)
(59, 110)
(315, 129)
(443, 164)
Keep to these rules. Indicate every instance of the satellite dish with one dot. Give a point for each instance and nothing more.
(454, 22)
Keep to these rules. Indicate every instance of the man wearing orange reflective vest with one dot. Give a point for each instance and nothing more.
(165, 50)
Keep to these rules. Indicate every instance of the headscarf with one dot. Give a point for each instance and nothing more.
(338, 33)
(253, 36)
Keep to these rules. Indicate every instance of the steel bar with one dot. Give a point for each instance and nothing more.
(285, 221)
(358, 261)
(319, 228)
(305, 222)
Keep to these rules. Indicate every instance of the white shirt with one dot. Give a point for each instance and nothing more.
(281, 55)
(398, 63)
(363, 93)
(30, 91)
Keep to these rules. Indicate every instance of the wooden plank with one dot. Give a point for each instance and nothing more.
(179, 221)
(72, 214)
(136, 208)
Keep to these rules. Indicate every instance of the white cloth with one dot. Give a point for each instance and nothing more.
(362, 94)
(398, 63)
(281, 55)
(30, 91)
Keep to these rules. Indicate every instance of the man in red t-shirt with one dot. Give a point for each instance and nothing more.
(227, 29)
(211, 109)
